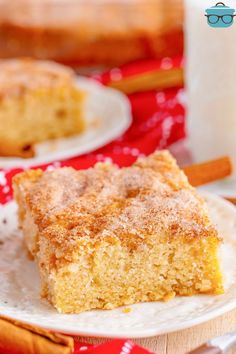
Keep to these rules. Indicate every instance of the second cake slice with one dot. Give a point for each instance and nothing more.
(39, 101)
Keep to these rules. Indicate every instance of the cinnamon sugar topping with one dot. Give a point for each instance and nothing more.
(151, 197)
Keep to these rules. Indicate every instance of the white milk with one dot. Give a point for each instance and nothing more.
(211, 83)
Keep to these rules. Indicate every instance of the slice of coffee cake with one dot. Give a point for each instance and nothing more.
(106, 237)
(39, 101)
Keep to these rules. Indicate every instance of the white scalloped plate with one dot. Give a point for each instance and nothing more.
(19, 291)
(107, 114)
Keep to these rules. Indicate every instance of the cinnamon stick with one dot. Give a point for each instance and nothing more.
(210, 171)
(159, 79)
(29, 339)
(231, 200)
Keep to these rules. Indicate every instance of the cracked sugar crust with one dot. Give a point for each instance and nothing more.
(152, 197)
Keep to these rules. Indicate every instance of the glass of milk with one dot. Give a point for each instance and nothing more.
(211, 83)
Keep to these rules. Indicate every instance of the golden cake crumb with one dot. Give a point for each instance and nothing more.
(169, 296)
(126, 310)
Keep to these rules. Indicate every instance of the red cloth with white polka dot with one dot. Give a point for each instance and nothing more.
(158, 121)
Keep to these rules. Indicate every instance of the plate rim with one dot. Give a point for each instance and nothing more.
(129, 334)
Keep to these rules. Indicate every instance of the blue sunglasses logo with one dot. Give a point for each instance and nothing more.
(220, 15)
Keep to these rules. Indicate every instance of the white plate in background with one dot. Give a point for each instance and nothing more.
(19, 294)
(108, 116)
